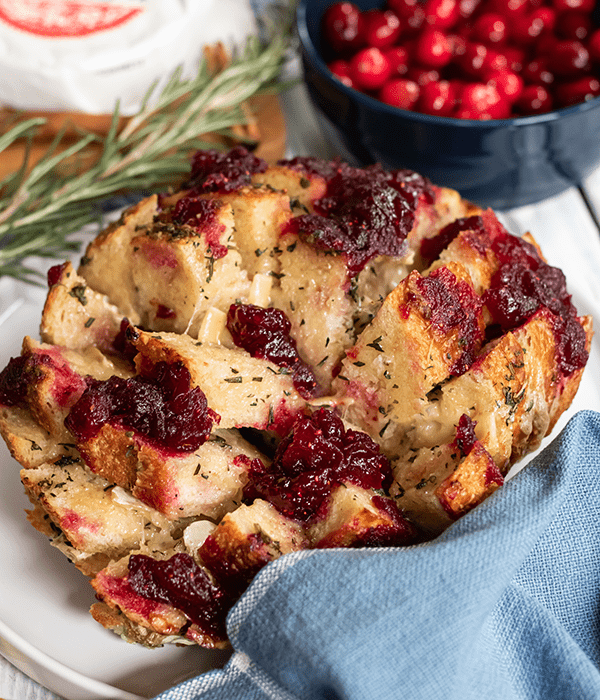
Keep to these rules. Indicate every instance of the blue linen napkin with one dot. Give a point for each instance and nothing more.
(505, 605)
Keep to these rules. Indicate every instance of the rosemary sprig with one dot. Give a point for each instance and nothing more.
(42, 206)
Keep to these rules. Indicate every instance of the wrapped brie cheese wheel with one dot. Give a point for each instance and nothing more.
(84, 55)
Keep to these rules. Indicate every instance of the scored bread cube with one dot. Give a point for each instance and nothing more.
(107, 260)
(259, 215)
(208, 482)
(313, 292)
(438, 485)
(139, 618)
(55, 379)
(29, 443)
(425, 331)
(302, 188)
(174, 272)
(382, 274)
(76, 316)
(359, 517)
(245, 540)
(87, 513)
(178, 272)
(244, 391)
(517, 375)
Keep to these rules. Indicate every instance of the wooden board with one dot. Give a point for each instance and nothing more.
(267, 126)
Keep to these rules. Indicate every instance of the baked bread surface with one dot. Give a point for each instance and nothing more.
(278, 358)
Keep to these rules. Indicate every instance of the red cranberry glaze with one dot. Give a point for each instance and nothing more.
(545, 46)
(216, 171)
(452, 305)
(161, 407)
(315, 457)
(55, 273)
(265, 333)
(180, 582)
(14, 381)
(465, 434)
(194, 211)
(366, 212)
(522, 285)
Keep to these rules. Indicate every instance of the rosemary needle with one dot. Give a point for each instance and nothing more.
(39, 209)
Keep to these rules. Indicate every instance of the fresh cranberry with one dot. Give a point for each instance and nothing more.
(565, 5)
(508, 84)
(574, 25)
(547, 16)
(403, 8)
(472, 60)
(341, 69)
(423, 76)
(594, 46)
(442, 14)
(467, 8)
(526, 28)
(493, 62)
(569, 58)
(535, 99)
(370, 68)
(515, 56)
(432, 48)
(509, 8)
(343, 27)
(536, 72)
(400, 92)
(382, 28)
(398, 58)
(490, 28)
(576, 91)
(438, 97)
(483, 99)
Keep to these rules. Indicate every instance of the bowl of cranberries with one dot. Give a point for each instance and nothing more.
(498, 99)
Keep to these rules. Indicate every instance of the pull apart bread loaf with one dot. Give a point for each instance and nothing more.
(277, 358)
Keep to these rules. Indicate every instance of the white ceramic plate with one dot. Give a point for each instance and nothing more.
(45, 628)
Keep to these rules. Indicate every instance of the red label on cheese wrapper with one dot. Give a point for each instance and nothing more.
(66, 18)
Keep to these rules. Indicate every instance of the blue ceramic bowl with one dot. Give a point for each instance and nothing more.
(500, 163)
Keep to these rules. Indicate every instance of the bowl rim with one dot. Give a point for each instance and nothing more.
(310, 50)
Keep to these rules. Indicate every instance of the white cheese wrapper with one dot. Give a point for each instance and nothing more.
(84, 55)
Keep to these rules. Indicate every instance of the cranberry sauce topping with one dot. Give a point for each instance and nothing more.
(431, 248)
(200, 213)
(317, 455)
(465, 434)
(123, 343)
(14, 381)
(522, 285)
(55, 273)
(215, 171)
(265, 333)
(453, 305)
(366, 212)
(180, 582)
(161, 407)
